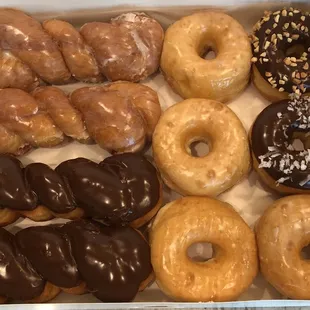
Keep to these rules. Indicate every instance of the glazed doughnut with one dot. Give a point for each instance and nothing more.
(281, 166)
(122, 189)
(120, 117)
(282, 233)
(192, 120)
(128, 48)
(78, 257)
(281, 44)
(189, 220)
(189, 74)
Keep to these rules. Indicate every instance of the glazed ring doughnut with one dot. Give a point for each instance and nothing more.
(190, 220)
(193, 120)
(191, 76)
(281, 44)
(282, 232)
(275, 159)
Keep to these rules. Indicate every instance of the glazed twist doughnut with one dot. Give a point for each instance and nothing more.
(119, 117)
(121, 189)
(78, 257)
(127, 49)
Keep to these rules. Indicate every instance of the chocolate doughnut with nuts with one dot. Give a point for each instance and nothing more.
(282, 164)
(281, 44)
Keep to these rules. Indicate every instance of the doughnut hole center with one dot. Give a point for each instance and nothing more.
(295, 50)
(198, 148)
(305, 252)
(208, 53)
(298, 144)
(200, 252)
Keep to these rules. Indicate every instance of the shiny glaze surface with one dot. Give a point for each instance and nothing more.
(120, 189)
(112, 261)
(48, 249)
(272, 136)
(14, 192)
(127, 48)
(274, 36)
(49, 187)
(18, 279)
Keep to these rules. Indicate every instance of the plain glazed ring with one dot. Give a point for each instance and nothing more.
(191, 76)
(282, 232)
(190, 220)
(281, 46)
(191, 120)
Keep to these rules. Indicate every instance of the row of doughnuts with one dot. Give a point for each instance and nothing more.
(81, 256)
(132, 45)
(276, 246)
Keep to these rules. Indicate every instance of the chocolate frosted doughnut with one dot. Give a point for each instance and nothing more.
(280, 165)
(122, 189)
(281, 44)
(39, 262)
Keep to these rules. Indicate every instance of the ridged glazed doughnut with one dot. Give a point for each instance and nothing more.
(189, 220)
(282, 232)
(189, 74)
(228, 160)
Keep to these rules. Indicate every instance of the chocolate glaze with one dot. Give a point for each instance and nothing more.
(14, 192)
(18, 279)
(141, 181)
(276, 52)
(50, 188)
(49, 251)
(273, 133)
(112, 261)
(121, 189)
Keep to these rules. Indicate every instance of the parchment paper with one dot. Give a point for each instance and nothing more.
(250, 198)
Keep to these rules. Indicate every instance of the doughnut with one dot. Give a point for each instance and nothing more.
(192, 76)
(127, 48)
(276, 160)
(192, 120)
(282, 233)
(281, 44)
(120, 117)
(77, 257)
(190, 220)
(122, 189)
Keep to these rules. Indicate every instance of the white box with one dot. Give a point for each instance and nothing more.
(249, 198)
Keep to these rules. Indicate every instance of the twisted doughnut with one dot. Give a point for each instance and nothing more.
(78, 257)
(119, 117)
(121, 189)
(55, 52)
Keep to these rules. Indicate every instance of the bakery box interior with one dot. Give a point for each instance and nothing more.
(154, 154)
